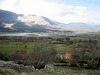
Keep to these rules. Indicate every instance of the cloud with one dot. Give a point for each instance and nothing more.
(38, 7)
(59, 12)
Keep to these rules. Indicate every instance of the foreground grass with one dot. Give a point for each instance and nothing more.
(6, 71)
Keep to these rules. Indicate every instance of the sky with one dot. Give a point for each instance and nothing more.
(64, 11)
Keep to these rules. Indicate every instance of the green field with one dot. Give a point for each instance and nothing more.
(6, 46)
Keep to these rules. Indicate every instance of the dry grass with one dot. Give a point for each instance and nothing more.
(6, 71)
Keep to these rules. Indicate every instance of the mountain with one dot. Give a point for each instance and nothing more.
(81, 27)
(7, 16)
(10, 22)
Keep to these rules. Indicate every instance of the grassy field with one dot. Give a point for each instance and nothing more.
(6, 46)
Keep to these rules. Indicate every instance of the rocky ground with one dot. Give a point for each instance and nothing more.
(10, 68)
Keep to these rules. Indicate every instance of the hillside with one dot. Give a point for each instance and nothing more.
(10, 22)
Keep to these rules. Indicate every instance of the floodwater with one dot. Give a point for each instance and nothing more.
(44, 34)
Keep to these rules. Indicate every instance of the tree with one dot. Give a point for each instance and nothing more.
(42, 55)
(85, 51)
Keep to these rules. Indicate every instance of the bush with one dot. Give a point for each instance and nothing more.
(18, 58)
(3, 56)
(42, 55)
(92, 64)
(72, 61)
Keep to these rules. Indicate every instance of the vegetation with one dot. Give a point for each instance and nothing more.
(39, 56)
(84, 50)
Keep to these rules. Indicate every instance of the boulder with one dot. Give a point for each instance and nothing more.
(48, 68)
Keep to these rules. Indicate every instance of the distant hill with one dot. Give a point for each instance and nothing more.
(81, 27)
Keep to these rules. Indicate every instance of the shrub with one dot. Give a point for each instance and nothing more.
(42, 55)
(19, 58)
(72, 61)
(3, 56)
(92, 64)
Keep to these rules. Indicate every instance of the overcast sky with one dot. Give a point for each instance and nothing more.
(65, 11)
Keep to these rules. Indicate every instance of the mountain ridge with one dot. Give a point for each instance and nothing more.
(12, 22)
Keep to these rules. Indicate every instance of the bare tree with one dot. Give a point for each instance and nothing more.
(42, 55)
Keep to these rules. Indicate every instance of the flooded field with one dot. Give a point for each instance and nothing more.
(44, 34)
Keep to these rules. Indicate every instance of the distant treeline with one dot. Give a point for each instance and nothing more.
(32, 39)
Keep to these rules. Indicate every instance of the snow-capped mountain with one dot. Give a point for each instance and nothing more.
(10, 21)
(33, 19)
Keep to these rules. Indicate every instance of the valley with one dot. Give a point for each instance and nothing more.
(36, 45)
(76, 45)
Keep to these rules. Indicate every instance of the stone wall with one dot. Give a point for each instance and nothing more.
(22, 68)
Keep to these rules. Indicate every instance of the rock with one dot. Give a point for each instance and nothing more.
(59, 56)
(49, 68)
(1, 63)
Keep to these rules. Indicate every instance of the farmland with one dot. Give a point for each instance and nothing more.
(64, 44)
